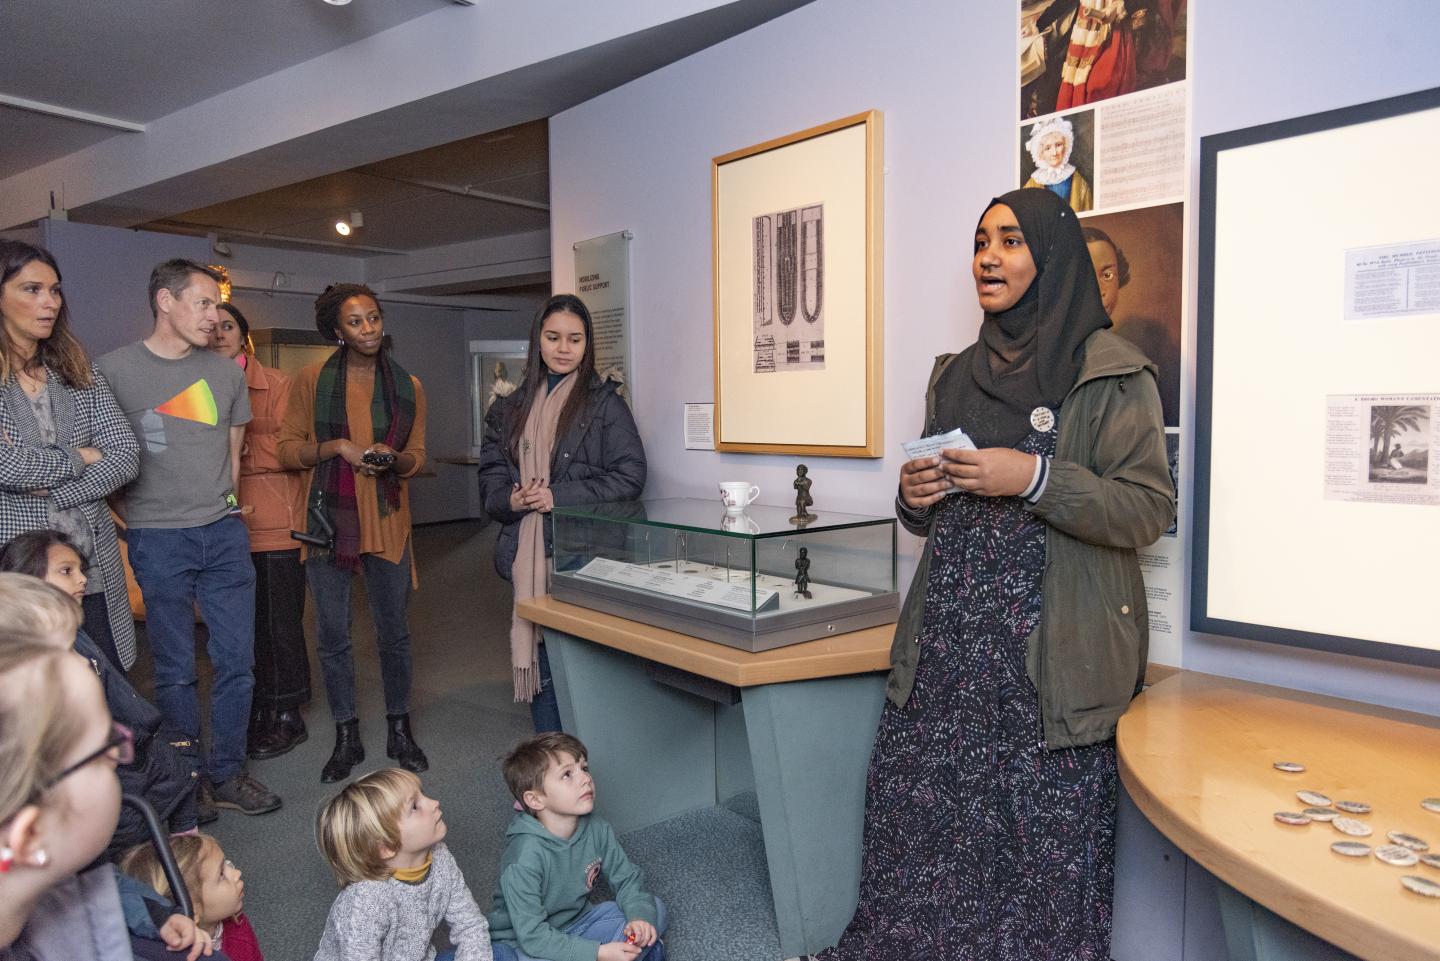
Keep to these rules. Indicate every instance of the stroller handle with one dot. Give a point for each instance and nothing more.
(160, 840)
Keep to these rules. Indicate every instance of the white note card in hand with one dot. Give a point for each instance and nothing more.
(932, 446)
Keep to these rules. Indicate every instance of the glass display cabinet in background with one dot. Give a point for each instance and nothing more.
(688, 566)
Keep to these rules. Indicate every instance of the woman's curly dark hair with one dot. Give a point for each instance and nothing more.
(327, 306)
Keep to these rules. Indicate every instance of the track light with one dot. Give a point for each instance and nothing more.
(345, 227)
(337, 3)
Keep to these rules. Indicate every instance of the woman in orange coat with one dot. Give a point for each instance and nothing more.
(273, 499)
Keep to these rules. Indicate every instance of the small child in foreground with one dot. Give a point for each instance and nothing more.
(217, 892)
(557, 849)
(382, 838)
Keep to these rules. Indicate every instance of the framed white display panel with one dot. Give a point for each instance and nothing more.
(1317, 484)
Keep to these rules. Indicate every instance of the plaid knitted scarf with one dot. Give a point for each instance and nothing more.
(392, 414)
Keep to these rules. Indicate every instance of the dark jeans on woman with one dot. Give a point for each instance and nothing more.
(387, 586)
(97, 625)
(282, 665)
(545, 709)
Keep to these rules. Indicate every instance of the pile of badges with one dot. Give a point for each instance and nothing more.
(1403, 851)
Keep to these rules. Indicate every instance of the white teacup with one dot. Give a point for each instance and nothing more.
(737, 495)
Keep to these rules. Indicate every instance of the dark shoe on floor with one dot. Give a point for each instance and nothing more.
(286, 731)
(262, 720)
(205, 811)
(244, 794)
(400, 744)
(348, 752)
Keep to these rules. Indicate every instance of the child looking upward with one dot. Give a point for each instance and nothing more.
(382, 837)
(216, 890)
(556, 849)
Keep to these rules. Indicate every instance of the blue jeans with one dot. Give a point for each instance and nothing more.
(388, 587)
(603, 923)
(176, 567)
(544, 708)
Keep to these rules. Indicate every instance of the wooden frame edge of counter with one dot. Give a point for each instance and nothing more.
(1266, 886)
(709, 659)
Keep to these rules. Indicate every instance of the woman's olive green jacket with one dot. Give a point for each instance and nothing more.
(1109, 492)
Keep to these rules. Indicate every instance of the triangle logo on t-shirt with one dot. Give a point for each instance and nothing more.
(195, 402)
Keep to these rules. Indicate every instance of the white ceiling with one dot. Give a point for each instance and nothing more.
(137, 60)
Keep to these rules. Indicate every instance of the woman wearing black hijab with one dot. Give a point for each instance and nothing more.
(990, 805)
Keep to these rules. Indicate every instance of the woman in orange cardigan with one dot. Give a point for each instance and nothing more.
(357, 423)
(274, 505)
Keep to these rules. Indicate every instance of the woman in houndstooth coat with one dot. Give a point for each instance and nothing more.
(64, 444)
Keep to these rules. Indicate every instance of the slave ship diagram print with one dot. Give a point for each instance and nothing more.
(789, 290)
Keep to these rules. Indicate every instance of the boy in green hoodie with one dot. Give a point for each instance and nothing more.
(556, 849)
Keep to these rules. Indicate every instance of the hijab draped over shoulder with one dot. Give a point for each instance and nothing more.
(1030, 355)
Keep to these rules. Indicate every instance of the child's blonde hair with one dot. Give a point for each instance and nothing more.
(141, 863)
(32, 609)
(354, 825)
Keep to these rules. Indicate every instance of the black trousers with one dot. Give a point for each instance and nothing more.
(282, 664)
(97, 625)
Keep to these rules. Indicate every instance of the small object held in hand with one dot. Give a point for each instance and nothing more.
(1321, 814)
(1421, 885)
(1400, 857)
(1351, 849)
(1408, 840)
(375, 458)
(1289, 767)
(630, 937)
(1353, 807)
(1352, 827)
(1431, 804)
(1313, 798)
(1291, 817)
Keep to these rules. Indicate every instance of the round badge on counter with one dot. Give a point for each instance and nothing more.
(1431, 804)
(1289, 767)
(1353, 807)
(1408, 840)
(1042, 419)
(1400, 857)
(1313, 798)
(1291, 817)
(1431, 861)
(1320, 814)
(1421, 885)
(1352, 827)
(1351, 849)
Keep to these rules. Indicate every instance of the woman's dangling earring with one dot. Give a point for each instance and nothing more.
(7, 860)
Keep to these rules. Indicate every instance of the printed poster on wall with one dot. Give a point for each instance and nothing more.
(1104, 123)
(602, 280)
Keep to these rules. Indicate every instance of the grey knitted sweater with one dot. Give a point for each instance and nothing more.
(393, 920)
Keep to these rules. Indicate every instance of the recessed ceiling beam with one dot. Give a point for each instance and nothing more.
(54, 110)
(470, 192)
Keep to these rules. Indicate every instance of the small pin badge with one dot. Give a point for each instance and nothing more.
(1042, 419)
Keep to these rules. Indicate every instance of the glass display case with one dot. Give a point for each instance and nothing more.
(688, 566)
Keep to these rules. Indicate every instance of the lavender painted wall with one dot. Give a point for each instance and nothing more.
(638, 158)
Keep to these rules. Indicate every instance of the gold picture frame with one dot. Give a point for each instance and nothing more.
(798, 254)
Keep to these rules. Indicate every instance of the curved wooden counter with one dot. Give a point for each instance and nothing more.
(858, 652)
(1196, 754)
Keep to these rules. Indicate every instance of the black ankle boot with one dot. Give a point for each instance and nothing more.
(400, 744)
(287, 729)
(348, 752)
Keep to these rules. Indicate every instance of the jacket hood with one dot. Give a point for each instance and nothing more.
(527, 825)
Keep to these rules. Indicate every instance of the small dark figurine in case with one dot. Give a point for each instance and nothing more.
(375, 458)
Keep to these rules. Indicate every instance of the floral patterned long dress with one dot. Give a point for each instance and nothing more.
(981, 845)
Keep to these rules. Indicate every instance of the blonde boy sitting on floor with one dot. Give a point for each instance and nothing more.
(556, 850)
(382, 837)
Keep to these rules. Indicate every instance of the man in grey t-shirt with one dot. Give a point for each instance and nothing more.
(186, 540)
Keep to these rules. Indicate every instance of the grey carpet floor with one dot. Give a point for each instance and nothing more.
(708, 865)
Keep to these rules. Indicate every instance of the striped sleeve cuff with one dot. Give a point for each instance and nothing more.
(1038, 481)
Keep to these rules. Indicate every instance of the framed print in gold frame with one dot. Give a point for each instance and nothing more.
(797, 259)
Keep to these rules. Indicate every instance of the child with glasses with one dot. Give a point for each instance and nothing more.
(216, 889)
(384, 841)
(59, 800)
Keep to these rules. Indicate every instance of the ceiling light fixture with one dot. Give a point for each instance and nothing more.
(337, 3)
(345, 227)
